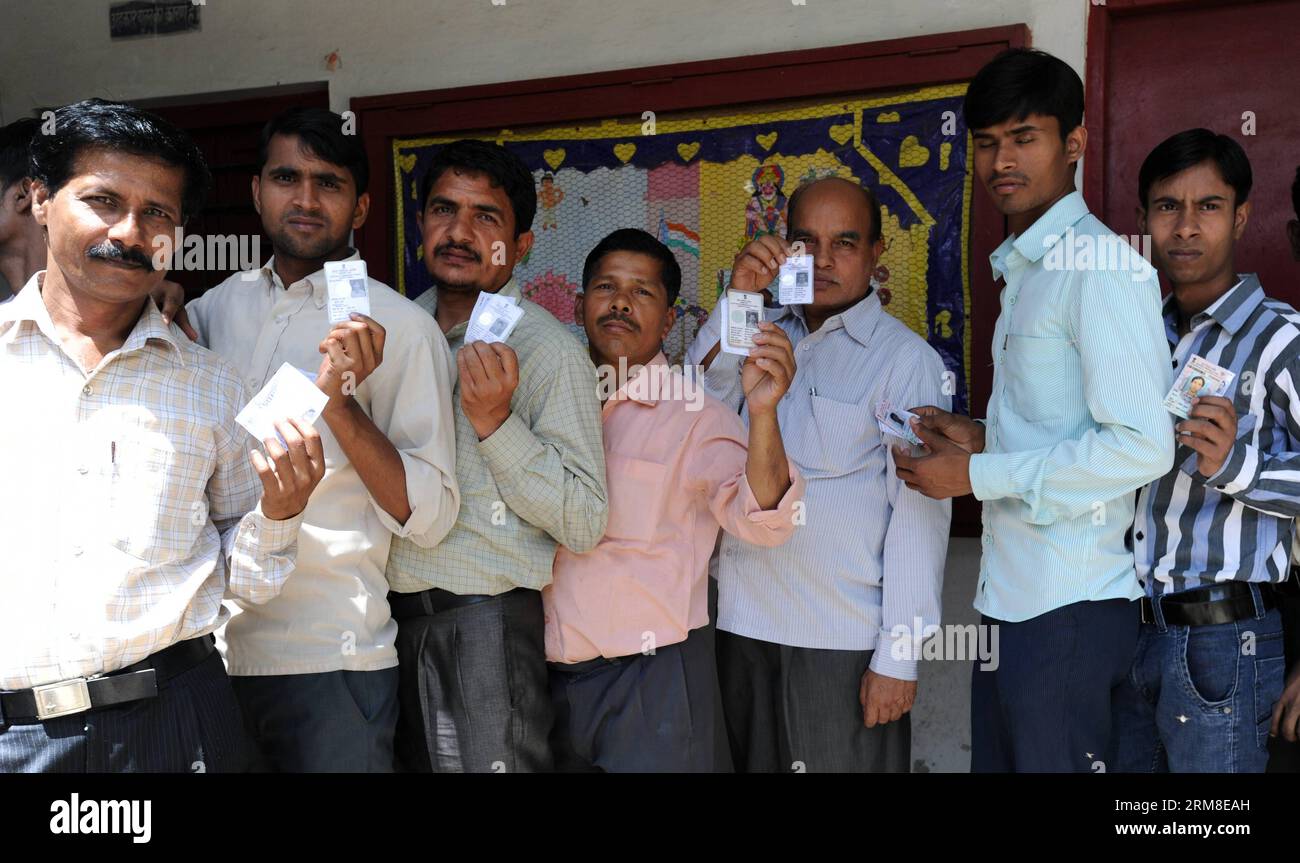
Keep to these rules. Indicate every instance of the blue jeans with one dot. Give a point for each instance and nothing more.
(1199, 699)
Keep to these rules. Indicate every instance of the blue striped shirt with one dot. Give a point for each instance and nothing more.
(864, 571)
(1235, 525)
(1075, 422)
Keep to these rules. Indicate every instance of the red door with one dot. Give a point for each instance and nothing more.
(1156, 68)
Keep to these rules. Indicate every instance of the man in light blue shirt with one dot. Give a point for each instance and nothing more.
(1075, 426)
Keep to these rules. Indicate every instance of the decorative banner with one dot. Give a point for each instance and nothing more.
(707, 185)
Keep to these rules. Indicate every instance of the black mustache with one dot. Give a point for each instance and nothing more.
(464, 249)
(615, 316)
(110, 251)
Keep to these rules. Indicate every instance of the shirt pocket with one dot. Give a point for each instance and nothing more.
(1040, 372)
(158, 494)
(637, 489)
(838, 440)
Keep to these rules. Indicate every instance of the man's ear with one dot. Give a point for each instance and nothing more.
(1142, 220)
(40, 202)
(579, 308)
(23, 195)
(668, 322)
(523, 244)
(257, 193)
(1239, 219)
(362, 210)
(1075, 144)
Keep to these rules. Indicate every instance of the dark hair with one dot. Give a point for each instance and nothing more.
(16, 150)
(1192, 147)
(1022, 81)
(321, 132)
(873, 205)
(504, 169)
(1295, 193)
(641, 242)
(124, 128)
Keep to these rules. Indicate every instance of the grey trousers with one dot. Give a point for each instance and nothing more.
(473, 692)
(796, 709)
(638, 714)
(191, 726)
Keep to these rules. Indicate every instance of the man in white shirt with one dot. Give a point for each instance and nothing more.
(316, 670)
(137, 494)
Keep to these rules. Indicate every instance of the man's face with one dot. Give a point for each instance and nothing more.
(466, 224)
(309, 207)
(1193, 224)
(833, 222)
(624, 308)
(1024, 164)
(1194, 386)
(101, 225)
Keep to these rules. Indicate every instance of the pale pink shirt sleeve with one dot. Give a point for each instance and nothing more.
(717, 464)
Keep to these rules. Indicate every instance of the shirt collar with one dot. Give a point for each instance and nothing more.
(858, 320)
(316, 282)
(637, 388)
(1230, 311)
(1033, 243)
(29, 305)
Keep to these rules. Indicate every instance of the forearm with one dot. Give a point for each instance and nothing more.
(766, 466)
(373, 456)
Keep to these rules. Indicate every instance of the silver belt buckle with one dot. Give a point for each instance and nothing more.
(62, 698)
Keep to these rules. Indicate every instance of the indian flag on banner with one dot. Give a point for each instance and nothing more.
(675, 235)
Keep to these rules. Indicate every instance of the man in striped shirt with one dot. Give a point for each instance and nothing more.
(1212, 536)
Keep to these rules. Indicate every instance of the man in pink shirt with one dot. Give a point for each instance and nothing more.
(633, 678)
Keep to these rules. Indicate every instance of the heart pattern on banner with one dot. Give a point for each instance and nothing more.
(624, 151)
(554, 158)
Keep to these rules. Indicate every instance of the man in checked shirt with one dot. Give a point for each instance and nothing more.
(1212, 537)
(139, 504)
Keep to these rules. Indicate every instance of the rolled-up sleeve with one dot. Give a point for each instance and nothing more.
(717, 463)
(411, 403)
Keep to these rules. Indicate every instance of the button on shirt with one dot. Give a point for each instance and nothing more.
(536, 481)
(334, 614)
(1237, 524)
(1075, 421)
(131, 505)
(676, 469)
(865, 569)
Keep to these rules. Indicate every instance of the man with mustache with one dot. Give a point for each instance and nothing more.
(531, 469)
(818, 638)
(22, 246)
(1075, 426)
(633, 676)
(316, 669)
(1212, 537)
(139, 504)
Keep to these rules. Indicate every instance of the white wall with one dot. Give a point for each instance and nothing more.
(57, 51)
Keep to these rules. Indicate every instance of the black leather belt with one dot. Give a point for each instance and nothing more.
(1204, 606)
(426, 603)
(132, 683)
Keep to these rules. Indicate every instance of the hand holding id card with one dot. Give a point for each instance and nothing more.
(493, 319)
(290, 393)
(1198, 378)
(897, 422)
(349, 292)
(740, 317)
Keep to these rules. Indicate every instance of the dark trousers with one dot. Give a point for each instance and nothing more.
(473, 692)
(330, 722)
(796, 709)
(1283, 755)
(191, 726)
(1046, 706)
(637, 714)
